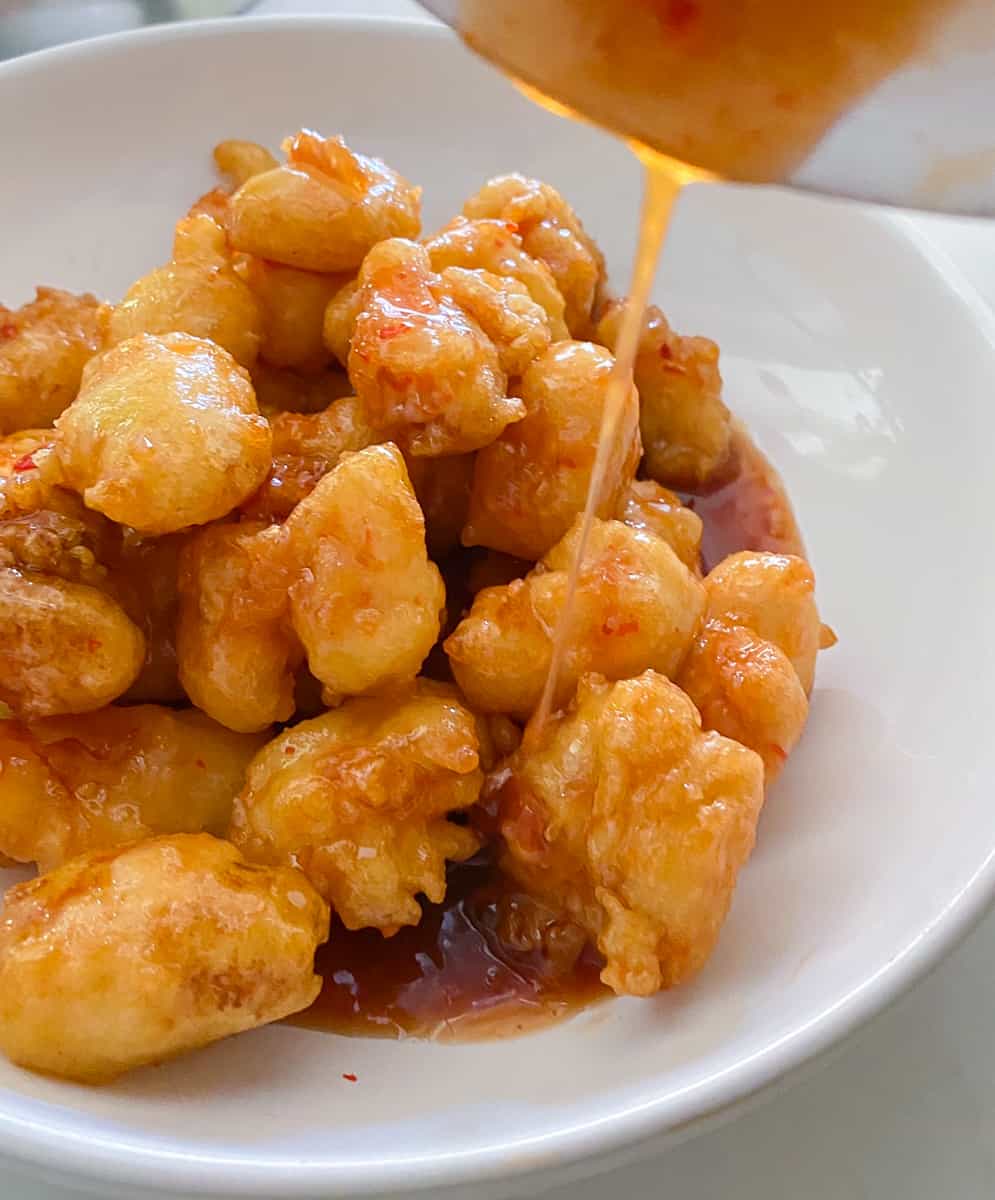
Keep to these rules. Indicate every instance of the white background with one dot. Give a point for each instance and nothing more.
(907, 1108)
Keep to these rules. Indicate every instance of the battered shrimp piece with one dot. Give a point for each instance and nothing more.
(197, 292)
(44, 347)
(340, 320)
(145, 582)
(442, 489)
(530, 484)
(365, 600)
(358, 799)
(647, 505)
(239, 160)
(69, 785)
(164, 434)
(746, 688)
(496, 247)
(237, 653)
(305, 448)
(550, 231)
(133, 955)
(686, 428)
(65, 647)
(292, 303)
(504, 310)
(428, 375)
(635, 824)
(774, 595)
(324, 208)
(636, 606)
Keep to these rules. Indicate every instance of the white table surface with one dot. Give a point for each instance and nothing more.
(906, 1110)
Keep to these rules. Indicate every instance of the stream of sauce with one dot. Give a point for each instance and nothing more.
(741, 89)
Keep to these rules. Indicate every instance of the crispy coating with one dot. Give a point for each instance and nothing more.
(237, 653)
(324, 208)
(365, 600)
(44, 347)
(132, 955)
(144, 579)
(73, 784)
(442, 488)
(358, 798)
(305, 448)
(636, 606)
(340, 320)
(745, 688)
(292, 303)
(428, 374)
(496, 247)
(774, 595)
(281, 390)
(64, 647)
(504, 310)
(164, 434)
(647, 505)
(551, 232)
(686, 428)
(196, 292)
(530, 484)
(635, 823)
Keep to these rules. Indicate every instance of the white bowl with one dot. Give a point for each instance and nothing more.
(864, 368)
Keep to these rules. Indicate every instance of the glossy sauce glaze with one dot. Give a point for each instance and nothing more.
(467, 971)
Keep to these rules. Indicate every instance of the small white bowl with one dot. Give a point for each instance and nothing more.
(864, 368)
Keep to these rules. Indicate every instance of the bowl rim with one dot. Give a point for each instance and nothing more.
(51, 1145)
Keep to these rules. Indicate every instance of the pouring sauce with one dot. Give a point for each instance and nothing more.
(740, 89)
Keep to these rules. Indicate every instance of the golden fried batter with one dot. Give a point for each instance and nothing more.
(133, 955)
(364, 599)
(496, 247)
(305, 448)
(64, 647)
(44, 347)
(293, 304)
(237, 653)
(164, 434)
(358, 799)
(686, 428)
(197, 292)
(429, 376)
(746, 688)
(647, 505)
(774, 595)
(636, 606)
(530, 484)
(324, 208)
(635, 823)
(73, 784)
(551, 232)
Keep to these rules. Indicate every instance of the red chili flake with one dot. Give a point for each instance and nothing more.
(349, 1076)
(199, 762)
(666, 352)
(289, 750)
(386, 332)
(93, 644)
(613, 628)
(25, 463)
(511, 226)
(8, 330)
